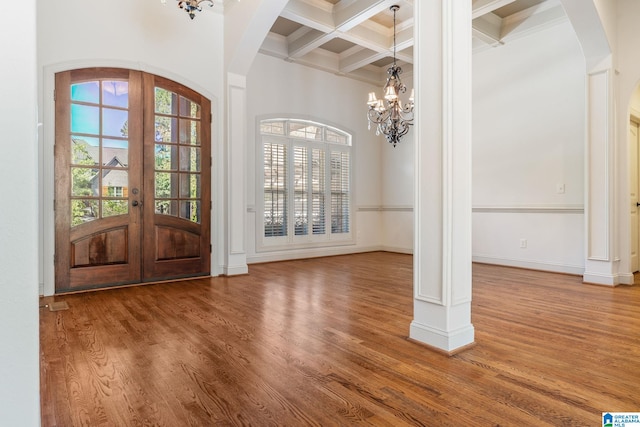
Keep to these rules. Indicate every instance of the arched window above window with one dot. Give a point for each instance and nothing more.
(304, 129)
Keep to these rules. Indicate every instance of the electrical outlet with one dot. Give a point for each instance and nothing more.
(523, 243)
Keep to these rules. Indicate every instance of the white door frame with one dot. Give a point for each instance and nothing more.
(634, 187)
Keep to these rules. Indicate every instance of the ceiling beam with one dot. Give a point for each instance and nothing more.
(533, 19)
(364, 36)
(309, 15)
(275, 45)
(488, 28)
(482, 7)
(360, 59)
(309, 41)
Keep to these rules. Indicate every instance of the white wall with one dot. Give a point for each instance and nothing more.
(397, 187)
(19, 373)
(136, 34)
(278, 87)
(528, 147)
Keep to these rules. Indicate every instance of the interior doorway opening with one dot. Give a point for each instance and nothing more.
(633, 135)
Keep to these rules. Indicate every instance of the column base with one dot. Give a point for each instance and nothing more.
(235, 270)
(445, 342)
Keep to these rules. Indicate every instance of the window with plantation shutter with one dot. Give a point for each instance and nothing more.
(306, 188)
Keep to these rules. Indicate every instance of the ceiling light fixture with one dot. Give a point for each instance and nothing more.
(389, 115)
(191, 6)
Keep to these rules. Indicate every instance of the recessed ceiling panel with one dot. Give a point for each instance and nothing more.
(384, 62)
(386, 16)
(337, 45)
(515, 7)
(284, 26)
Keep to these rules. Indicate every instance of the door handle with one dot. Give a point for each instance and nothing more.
(135, 203)
(637, 204)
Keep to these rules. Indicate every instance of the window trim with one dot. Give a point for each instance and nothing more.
(310, 240)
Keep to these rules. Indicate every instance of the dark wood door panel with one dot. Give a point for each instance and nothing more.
(176, 244)
(180, 250)
(103, 248)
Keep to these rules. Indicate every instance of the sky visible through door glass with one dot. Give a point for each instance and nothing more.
(85, 119)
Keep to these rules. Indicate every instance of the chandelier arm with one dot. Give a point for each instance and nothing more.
(403, 130)
(377, 117)
(404, 115)
(408, 109)
(192, 6)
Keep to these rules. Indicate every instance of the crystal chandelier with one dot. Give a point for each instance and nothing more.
(389, 115)
(191, 6)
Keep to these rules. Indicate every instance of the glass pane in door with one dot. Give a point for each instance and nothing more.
(99, 150)
(177, 136)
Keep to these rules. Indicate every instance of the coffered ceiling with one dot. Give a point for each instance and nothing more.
(355, 37)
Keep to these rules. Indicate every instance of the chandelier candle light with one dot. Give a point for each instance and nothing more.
(389, 115)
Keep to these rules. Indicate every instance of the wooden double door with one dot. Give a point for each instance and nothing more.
(133, 177)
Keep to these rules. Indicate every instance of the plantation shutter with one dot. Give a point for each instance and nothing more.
(318, 191)
(275, 189)
(340, 206)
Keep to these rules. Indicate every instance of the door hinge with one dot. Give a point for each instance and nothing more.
(55, 257)
(54, 204)
(210, 117)
(210, 205)
(210, 161)
(210, 248)
(54, 94)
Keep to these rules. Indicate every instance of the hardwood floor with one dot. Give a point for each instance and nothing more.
(323, 342)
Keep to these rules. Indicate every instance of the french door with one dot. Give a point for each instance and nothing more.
(133, 176)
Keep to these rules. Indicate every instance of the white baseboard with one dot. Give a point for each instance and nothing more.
(310, 253)
(345, 250)
(625, 278)
(447, 341)
(608, 279)
(532, 265)
(399, 250)
(234, 270)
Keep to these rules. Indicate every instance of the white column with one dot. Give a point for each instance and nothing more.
(246, 24)
(236, 185)
(442, 247)
(601, 265)
(19, 356)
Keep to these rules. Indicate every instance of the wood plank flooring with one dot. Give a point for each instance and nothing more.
(323, 342)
